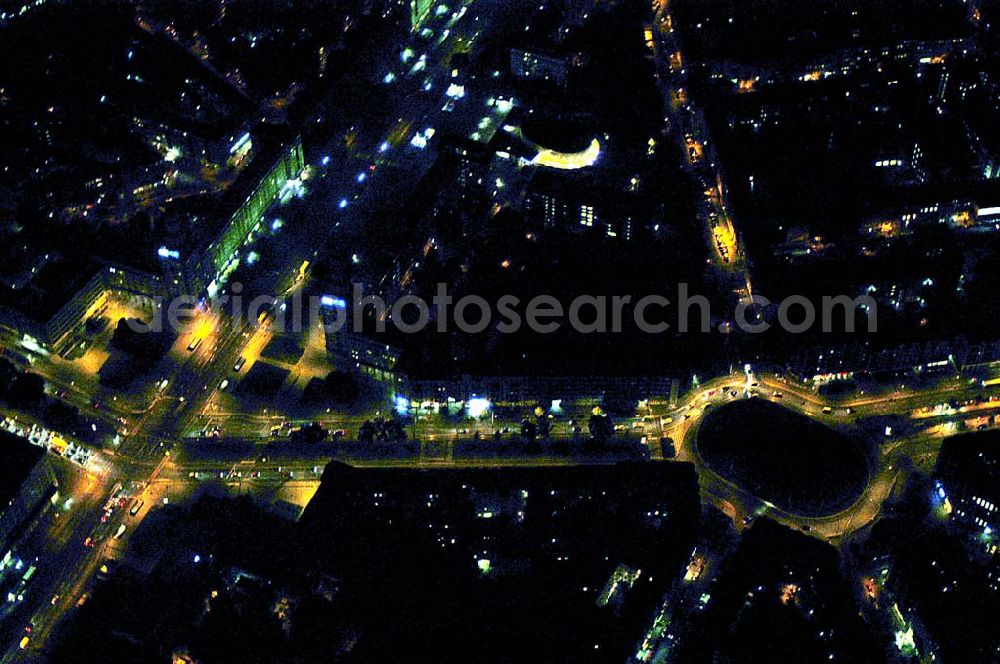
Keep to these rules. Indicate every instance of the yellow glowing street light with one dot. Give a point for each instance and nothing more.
(203, 328)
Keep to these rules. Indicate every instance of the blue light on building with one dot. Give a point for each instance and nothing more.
(334, 302)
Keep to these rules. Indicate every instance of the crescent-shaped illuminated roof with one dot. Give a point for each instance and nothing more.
(568, 161)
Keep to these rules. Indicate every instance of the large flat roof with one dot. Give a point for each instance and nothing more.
(17, 459)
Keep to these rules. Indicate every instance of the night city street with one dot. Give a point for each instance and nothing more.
(499, 331)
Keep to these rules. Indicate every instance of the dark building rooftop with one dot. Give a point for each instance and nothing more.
(340, 478)
(441, 545)
(54, 284)
(780, 598)
(972, 461)
(777, 30)
(17, 458)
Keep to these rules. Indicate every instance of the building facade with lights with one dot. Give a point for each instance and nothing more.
(202, 252)
(193, 259)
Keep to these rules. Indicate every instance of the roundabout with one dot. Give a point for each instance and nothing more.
(785, 459)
